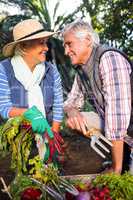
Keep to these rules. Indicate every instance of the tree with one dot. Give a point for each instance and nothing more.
(39, 9)
(6, 25)
(113, 20)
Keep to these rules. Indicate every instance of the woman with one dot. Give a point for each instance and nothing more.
(29, 85)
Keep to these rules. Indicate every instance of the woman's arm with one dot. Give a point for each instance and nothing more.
(58, 101)
(14, 112)
(5, 93)
(6, 108)
(56, 126)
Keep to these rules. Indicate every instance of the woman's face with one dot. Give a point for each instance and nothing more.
(35, 50)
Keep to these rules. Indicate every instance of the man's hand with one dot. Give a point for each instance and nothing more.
(76, 121)
(83, 121)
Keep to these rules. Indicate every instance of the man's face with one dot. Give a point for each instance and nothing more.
(77, 49)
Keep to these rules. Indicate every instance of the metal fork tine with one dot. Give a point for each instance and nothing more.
(101, 145)
(92, 144)
(105, 140)
(98, 151)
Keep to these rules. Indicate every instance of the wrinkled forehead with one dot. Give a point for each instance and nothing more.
(68, 37)
(72, 35)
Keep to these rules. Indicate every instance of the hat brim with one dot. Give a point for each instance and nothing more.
(8, 49)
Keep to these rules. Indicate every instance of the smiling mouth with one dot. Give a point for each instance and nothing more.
(71, 56)
(43, 53)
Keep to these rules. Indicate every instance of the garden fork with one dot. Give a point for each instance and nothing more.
(93, 131)
(95, 136)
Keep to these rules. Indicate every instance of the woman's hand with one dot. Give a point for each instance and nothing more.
(56, 126)
(38, 121)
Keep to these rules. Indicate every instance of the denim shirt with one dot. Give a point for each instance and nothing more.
(19, 94)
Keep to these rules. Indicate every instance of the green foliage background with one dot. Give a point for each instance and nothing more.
(112, 19)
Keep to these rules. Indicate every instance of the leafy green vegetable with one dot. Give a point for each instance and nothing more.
(17, 141)
(16, 137)
(121, 186)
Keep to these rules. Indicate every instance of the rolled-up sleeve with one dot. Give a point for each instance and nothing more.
(75, 97)
(115, 74)
(5, 94)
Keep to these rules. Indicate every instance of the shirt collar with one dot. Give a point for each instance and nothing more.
(88, 66)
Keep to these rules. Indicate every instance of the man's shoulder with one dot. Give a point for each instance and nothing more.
(104, 51)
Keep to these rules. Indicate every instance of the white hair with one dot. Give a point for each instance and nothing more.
(81, 29)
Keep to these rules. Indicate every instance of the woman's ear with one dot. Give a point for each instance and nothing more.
(23, 45)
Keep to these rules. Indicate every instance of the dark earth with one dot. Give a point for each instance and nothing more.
(80, 158)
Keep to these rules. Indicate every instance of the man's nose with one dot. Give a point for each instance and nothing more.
(66, 50)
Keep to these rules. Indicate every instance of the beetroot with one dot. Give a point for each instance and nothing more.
(31, 194)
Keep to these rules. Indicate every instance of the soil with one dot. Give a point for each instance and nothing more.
(80, 158)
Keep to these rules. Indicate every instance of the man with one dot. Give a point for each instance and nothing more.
(112, 101)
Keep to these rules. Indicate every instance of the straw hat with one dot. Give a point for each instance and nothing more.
(26, 30)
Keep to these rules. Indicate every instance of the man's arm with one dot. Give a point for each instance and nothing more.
(115, 72)
(75, 99)
(72, 106)
(117, 155)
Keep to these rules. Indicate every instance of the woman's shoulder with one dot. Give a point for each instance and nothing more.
(50, 64)
(5, 65)
(5, 62)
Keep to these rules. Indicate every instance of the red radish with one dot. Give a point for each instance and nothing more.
(31, 194)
